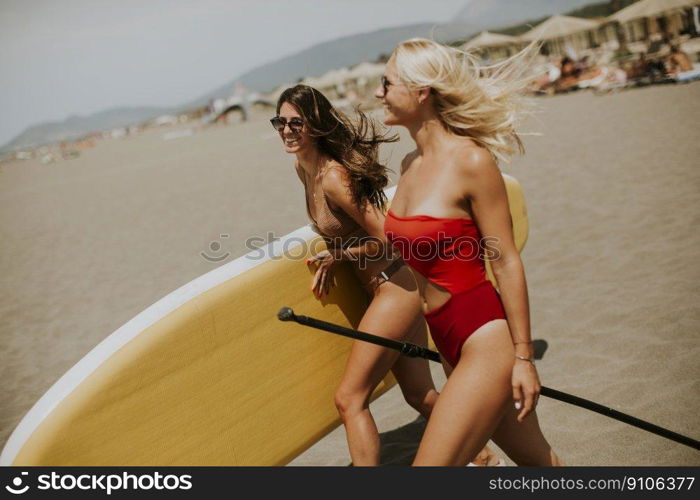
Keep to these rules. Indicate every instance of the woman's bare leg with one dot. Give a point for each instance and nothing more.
(413, 374)
(477, 403)
(486, 457)
(473, 401)
(523, 441)
(392, 313)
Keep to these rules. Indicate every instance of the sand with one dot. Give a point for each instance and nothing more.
(613, 191)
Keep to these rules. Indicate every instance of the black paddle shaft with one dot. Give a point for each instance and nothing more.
(622, 417)
(413, 350)
(405, 348)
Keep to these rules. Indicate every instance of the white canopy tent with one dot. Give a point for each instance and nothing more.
(495, 46)
(488, 39)
(560, 32)
(650, 8)
(559, 26)
(645, 17)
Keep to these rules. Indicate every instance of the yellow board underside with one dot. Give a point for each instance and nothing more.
(219, 381)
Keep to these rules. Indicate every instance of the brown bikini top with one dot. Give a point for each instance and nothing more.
(334, 225)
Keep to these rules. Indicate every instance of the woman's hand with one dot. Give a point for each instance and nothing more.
(323, 279)
(526, 387)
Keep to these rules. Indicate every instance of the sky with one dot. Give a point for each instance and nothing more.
(77, 57)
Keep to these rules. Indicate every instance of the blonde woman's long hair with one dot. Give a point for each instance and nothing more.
(484, 103)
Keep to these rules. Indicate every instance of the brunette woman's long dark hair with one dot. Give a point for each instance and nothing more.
(354, 145)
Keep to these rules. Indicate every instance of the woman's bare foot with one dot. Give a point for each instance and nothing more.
(487, 458)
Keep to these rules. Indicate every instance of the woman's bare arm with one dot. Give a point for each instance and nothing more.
(485, 189)
(336, 186)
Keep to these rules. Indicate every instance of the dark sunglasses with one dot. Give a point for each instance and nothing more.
(385, 84)
(295, 124)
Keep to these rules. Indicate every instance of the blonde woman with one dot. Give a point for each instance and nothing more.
(451, 194)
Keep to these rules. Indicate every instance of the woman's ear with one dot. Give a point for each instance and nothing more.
(423, 94)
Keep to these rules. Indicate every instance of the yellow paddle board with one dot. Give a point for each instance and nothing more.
(208, 375)
(518, 216)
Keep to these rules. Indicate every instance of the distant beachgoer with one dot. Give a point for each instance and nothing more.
(548, 76)
(569, 75)
(336, 161)
(658, 45)
(451, 190)
(584, 65)
(678, 61)
(640, 68)
(645, 67)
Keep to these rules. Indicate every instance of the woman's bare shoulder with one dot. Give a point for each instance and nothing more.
(470, 160)
(336, 180)
(333, 173)
(474, 170)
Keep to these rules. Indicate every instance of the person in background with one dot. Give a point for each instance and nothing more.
(678, 61)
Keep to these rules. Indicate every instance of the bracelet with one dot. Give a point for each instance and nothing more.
(522, 358)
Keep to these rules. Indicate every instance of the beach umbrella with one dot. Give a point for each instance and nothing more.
(650, 8)
(559, 26)
(488, 39)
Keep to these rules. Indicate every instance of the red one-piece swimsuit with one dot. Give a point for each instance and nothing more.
(448, 252)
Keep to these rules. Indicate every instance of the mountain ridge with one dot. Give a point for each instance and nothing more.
(474, 17)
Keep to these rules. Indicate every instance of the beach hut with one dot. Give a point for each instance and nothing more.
(560, 32)
(261, 102)
(364, 76)
(367, 70)
(334, 78)
(647, 17)
(333, 82)
(493, 46)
